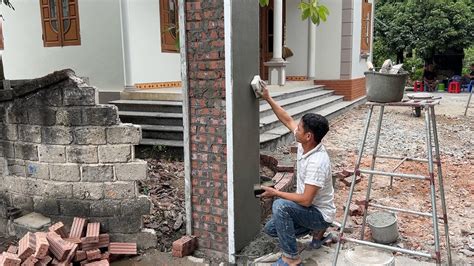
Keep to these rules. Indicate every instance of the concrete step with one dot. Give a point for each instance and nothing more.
(162, 142)
(281, 135)
(162, 132)
(165, 94)
(271, 121)
(151, 118)
(281, 93)
(149, 106)
(266, 109)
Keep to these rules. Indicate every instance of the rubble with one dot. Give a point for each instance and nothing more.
(55, 248)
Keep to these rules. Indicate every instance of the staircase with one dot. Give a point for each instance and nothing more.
(162, 120)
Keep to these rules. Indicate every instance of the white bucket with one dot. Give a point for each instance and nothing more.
(368, 256)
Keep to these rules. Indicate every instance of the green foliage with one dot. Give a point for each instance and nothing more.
(431, 27)
(468, 56)
(309, 10)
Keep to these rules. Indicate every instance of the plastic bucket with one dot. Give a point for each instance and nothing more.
(441, 87)
(385, 88)
(383, 226)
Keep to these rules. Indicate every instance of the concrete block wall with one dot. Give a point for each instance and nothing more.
(64, 155)
(207, 114)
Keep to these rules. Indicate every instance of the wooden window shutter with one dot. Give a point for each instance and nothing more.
(168, 28)
(50, 23)
(366, 29)
(60, 22)
(70, 23)
(1, 35)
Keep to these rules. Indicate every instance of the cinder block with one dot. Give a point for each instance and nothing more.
(105, 208)
(89, 135)
(22, 202)
(145, 239)
(43, 116)
(65, 172)
(37, 170)
(97, 173)
(125, 224)
(28, 133)
(82, 154)
(81, 96)
(100, 115)
(69, 117)
(47, 206)
(184, 246)
(16, 114)
(8, 149)
(115, 153)
(57, 190)
(52, 153)
(74, 208)
(88, 191)
(26, 151)
(10, 132)
(124, 134)
(57, 135)
(140, 205)
(120, 190)
(135, 170)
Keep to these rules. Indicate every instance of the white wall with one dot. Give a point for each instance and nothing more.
(296, 40)
(359, 65)
(147, 62)
(99, 56)
(328, 42)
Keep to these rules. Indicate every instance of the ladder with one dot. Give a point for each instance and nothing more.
(431, 142)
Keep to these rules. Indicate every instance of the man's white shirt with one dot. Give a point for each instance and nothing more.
(314, 168)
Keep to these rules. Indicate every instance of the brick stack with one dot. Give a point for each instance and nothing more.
(64, 155)
(184, 246)
(52, 248)
(206, 86)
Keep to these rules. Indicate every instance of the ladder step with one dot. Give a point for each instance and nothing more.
(396, 249)
(376, 172)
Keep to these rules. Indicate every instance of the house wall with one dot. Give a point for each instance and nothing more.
(99, 57)
(146, 61)
(328, 42)
(296, 40)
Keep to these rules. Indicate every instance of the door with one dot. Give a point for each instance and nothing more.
(266, 35)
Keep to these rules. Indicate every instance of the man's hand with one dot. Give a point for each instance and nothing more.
(269, 192)
(265, 93)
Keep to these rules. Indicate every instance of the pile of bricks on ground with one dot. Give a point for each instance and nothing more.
(56, 247)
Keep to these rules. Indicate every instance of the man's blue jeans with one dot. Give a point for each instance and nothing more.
(291, 220)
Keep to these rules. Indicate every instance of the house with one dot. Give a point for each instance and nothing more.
(132, 44)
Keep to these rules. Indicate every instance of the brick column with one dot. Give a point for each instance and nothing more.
(223, 149)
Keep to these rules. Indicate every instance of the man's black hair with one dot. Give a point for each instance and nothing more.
(318, 125)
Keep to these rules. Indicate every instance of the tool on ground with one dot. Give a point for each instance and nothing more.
(431, 143)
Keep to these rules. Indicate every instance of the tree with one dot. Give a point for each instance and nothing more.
(309, 10)
(429, 27)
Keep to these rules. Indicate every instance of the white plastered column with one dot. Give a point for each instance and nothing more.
(277, 66)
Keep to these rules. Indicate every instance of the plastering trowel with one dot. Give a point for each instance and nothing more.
(257, 85)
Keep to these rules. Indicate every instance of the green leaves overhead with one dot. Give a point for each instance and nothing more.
(310, 9)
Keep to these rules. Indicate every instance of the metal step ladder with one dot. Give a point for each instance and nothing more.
(469, 100)
(431, 142)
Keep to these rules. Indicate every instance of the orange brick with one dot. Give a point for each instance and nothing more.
(119, 248)
(98, 263)
(80, 256)
(30, 261)
(12, 249)
(42, 245)
(26, 246)
(44, 261)
(104, 241)
(93, 254)
(92, 234)
(184, 246)
(58, 246)
(59, 229)
(9, 259)
(77, 227)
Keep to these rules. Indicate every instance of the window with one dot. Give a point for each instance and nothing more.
(169, 25)
(60, 19)
(366, 27)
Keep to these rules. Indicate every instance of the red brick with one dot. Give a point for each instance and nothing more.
(30, 261)
(59, 229)
(184, 246)
(92, 234)
(104, 240)
(26, 246)
(9, 259)
(120, 248)
(93, 254)
(59, 247)
(77, 227)
(80, 256)
(98, 263)
(42, 245)
(44, 261)
(12, 249)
